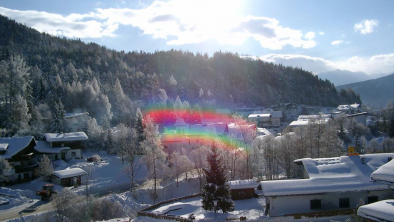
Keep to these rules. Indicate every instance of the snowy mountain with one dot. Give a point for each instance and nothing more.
(342, 77)
(374, 92)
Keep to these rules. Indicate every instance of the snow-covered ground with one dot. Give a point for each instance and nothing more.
(252, 209)
(109, 176)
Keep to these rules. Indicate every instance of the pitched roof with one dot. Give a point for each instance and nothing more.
(67, 173)
(63, 137)
(339, 174)
(384, 174)
(259, 115)
(45, 147)
(378, 211)
(15, 145)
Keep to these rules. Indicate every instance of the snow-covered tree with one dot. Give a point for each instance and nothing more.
(180, 163)
(45, 168)
(215, 187)
(199, 159)
(154, 155)
(58, 118)
(5, 170)
(173, 81)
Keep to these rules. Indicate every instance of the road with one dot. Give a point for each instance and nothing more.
(26, 209)
(42, 206)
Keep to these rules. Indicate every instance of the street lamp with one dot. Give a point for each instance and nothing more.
(215, 203)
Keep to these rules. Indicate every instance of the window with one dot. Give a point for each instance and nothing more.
(344, 202)
(73, 154)
(315, 204)
(373, 199)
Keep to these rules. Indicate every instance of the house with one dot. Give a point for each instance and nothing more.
(56, 153)
(19, 152)
(381, 210)
(260, 119)
(68, 177)
(330, 185)
(64, 146)
(276, 116)
(290, 110)
(304, 120)
(242, 189)
(350, 109)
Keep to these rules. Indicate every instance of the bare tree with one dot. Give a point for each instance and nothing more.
(199, 160)
(180, 163)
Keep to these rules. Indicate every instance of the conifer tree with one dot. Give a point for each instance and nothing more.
(215, 187)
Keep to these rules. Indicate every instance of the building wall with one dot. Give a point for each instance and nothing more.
(239, 194)
(282, 205)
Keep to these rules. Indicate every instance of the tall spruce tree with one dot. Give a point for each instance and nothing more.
(215, 187)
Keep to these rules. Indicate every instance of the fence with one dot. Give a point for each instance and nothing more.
(329, 213)
(167, 217)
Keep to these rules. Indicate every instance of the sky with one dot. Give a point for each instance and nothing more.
(318, 36)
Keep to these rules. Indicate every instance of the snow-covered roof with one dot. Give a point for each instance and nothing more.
(305, 122)
(3, 146)
(339, 174)
(265, 131)
(259, 115)
(384, 174)
(67, 173)
(242, 184)
(45, 147)
(60, 137)
(15, 145)
(343, 107)
(355, 106)
(378, 211)
(308, 117)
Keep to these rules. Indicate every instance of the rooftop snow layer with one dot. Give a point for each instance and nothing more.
(3, 146)
(74, 172)
(60, 137)
(385, 173)
(15, 145)
(379, 211)
(242, 184)
(45, 147)
(259, 115)
(340, 174)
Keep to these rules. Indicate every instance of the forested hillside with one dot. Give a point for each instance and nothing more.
(375, 92)
(44, 76)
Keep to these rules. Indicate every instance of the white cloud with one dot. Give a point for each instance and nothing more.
(366, 26)
(383, 63)
(178, 21)
(321, 33)
(337, 42)
(310, 35)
